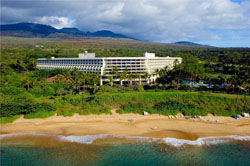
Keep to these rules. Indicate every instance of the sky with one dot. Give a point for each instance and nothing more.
(221, 23)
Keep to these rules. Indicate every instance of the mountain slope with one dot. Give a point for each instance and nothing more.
(106, 33)
(187, 43)
(40, 30)
(71, 31)
(27, 28)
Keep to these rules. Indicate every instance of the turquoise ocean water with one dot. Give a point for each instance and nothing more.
(30, 150)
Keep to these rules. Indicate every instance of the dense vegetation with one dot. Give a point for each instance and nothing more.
(26, 90)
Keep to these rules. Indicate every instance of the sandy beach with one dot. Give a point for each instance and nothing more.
(158, 126)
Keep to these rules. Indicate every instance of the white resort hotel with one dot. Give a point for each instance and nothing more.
(143, 67)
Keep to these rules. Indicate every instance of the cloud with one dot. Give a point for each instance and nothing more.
(57, 22)
(236, 37)
(215, 37)
(160, 21)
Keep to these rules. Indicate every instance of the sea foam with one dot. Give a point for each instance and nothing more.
(22, 134)
(205, 140)
(88, 139)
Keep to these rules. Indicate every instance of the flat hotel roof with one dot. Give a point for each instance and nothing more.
(111, 58)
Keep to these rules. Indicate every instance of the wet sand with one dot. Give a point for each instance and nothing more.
(158, 126)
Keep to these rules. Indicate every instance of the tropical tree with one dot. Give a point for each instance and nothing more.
(157, 73)
(20, 65)
(192, 68)
(67, 74)
(77, 80)
(27, 83)
(111, 80)
(138, 76)
(147, 76)
(123, 76)
(115, 73)
(83, 77)
(240, 81)
(131, 77)
(95, 79)
(60, 78)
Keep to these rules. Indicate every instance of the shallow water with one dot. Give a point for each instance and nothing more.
(105, 150)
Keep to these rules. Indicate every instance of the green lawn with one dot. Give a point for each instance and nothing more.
(4, 120)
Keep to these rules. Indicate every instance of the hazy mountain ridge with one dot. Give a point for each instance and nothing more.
(31, 30)
(41, 30)
(187, 43)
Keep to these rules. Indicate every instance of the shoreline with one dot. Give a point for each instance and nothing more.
(155, 126)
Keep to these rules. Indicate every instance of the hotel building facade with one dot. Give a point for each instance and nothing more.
(104, 66)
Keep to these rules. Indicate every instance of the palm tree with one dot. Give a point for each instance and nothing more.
(166, 68)
(60, 91)
(114, 72)
(60, 78)
(233, 82)
(137, 76)
(180, 68)
(20, 64)
(111, 80)
(131, 76)
(75, 72)
(123, 75)
(32, 64)
(245, 82)
(82, 80)
(176, 63)
(164, 71)
(67, 74)
(95, 78)
(27, 83)
(147, 76)
(157, 72)
(77, 80)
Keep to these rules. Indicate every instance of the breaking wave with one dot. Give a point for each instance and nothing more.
(88, 139)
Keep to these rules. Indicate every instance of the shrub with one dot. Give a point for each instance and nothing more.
(36, 91)
(167, 108)
(66, 110)
(48, 90)
(135, 108)
(15, 105)
(39, 107)
(90, 109)
(73, 99)
(106, 88)
(185, 87)
(10, 119)
(139, 88)
(40, 115)
(11, 90)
